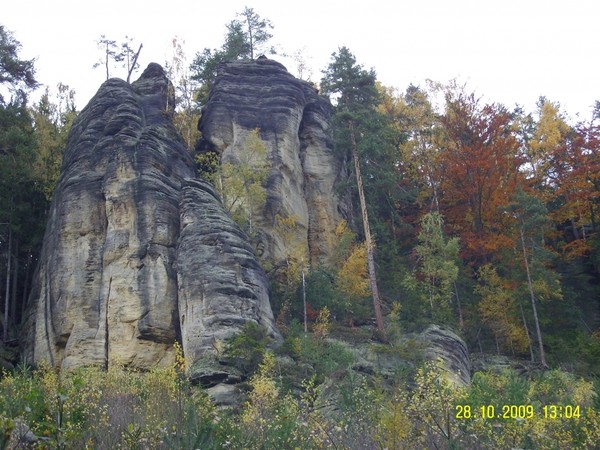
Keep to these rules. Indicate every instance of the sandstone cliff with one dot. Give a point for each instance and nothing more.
(137, 253)
(294, 124)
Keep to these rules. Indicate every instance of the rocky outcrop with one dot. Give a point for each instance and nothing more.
(221, 284)
(294, 124)
(137, 254)
(443, 345)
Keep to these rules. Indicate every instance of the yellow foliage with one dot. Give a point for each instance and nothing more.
(186, 122)
(180, 361)
(263, 396)
(323, 323)
(296, 251)
(547, 289)
(346, 239)
(341, 228)
(241, 182)
(353, 276)
(499, 311)
(394, 427)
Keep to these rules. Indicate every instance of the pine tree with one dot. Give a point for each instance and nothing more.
(531, 224)
(357, 98)
(244, 38)
(16, 157)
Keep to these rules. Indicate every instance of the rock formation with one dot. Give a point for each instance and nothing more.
(137, 253)
(294, 124)
(443, 345)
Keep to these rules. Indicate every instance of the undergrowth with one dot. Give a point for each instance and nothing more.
(336, 407)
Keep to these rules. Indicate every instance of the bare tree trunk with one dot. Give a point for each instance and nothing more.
(13, 302)
(460, 314)
(533, 305)
(479, 340)
(7, 291)
(250, 34)
(107, 59)
(132, 67)
(304, 298)
(25, 296)
(368, 241)
(527, 333)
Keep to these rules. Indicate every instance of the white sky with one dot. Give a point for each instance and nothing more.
(509, 51)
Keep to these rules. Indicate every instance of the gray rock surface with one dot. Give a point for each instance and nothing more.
(294, 124)
(442, 344)
(221, 284)
(119, 277)
(226, 395)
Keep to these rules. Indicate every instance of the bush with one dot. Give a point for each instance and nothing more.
(246, 349)
(92, 408)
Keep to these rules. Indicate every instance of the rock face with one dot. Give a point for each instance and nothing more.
(221, 284)
(446, 346)
(294, 124)
(137, 254)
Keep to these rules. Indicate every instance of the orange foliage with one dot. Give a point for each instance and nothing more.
(479, 165)
(576, 177)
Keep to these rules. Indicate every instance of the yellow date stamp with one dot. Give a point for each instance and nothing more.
(467, 412)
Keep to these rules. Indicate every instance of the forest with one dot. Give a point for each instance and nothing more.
(465, 214)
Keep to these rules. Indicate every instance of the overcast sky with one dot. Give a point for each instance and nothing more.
(509, 51)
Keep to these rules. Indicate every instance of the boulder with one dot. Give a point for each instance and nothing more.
(444, 345)
(294, 125)
(121, 275)
(226, 395)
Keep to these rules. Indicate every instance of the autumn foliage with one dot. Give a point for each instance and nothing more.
(479, 174)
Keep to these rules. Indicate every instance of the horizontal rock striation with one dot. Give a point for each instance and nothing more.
(294, 124)
(445, 346)
(221, 284)
(107, 289)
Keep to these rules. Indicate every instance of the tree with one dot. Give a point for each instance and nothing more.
(19, 196)
(303, 70)
(415, 126)
(479, 160)
(499, 310)
(296, 263)
(575, 168)
(357, 99)
(187, 112)
(129, 56)
(532, 223)
(17, 75)
(241, 182)
(437, 270)
(244, 38)
(256, 30)
(52, 123)
(111, 52)
(16, 157)
(549, 132)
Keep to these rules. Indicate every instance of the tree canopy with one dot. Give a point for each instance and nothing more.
(246, 36)
(18, 75)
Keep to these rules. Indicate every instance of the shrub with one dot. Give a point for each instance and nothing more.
(246, 349)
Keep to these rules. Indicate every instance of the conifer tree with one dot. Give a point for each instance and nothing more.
(531, 224)
(357, 98)
(17, 143)
(246, 35)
